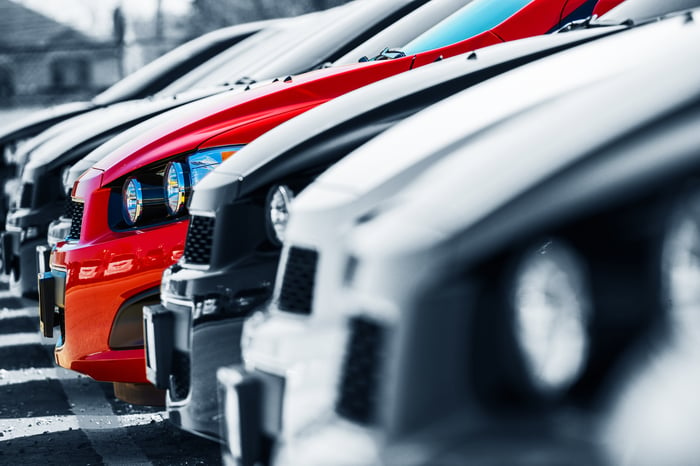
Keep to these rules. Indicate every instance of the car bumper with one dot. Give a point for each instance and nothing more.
(185, 362)
(123, 271)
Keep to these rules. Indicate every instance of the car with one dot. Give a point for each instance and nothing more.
(206, 297)
(247, 63)
(292, 349)
(487, 304)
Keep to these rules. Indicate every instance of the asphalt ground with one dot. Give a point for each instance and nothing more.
(49, 415)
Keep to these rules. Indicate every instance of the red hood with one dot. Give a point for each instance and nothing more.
(192, 126)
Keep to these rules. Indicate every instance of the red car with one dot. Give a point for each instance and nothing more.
(127, 230)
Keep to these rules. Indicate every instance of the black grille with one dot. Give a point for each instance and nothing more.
(25, 201)
(298, 281)
(360, 378)
(199, 240)
(180, 376)
(76, 216)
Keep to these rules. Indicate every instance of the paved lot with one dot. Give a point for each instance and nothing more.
(49, 415)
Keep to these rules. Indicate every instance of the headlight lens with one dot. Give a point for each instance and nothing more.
(156, 192)
(133, 200)
(279, 199)
(680, 268)
(175, 187)
(552, 306)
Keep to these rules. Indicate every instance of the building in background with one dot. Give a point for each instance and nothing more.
(42, 60)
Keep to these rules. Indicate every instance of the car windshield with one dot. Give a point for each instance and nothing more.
(644, 10)
(476, 17)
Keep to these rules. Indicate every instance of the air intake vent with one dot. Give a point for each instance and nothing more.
(180, 376)
(76, 215)
(199, 240)
(298, 281)
(360, 379)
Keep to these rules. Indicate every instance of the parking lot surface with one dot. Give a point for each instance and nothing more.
(49, 415)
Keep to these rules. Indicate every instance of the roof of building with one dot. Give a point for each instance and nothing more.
(24, 28)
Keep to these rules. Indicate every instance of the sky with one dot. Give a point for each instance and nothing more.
(95, 16)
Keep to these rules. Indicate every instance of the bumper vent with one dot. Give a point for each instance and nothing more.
(180, 376)
(298, 281)
(76, 216)
(199, 240)
(360, 379)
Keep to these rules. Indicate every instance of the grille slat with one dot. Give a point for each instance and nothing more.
(360, 380)
(200, 236)
(298, 281)
(76, 216)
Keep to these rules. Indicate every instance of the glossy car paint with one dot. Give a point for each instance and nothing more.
(322, 213)
(308, 140)
(426, 250)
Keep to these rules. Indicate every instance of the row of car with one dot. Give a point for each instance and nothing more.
(440, 254)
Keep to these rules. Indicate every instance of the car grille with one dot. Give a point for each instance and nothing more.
(360, 378)
(180, 376)
(298, 281)
(199, 240)
(76, 216)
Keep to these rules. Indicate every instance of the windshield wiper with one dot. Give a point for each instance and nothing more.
(386, 54)
(594, 22)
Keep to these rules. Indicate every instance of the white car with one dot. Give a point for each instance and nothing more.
(488, 303)
(301, 336)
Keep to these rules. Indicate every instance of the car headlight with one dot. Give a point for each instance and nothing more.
(133, 200)
(175, 187)
(680, 268)
(551, 303)
(278, 201)
(161, 190)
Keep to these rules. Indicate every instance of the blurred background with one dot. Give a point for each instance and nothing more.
(67, 50)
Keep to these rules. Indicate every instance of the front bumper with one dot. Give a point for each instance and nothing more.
(183, 359)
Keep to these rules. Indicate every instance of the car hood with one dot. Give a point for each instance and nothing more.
(192, 126)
